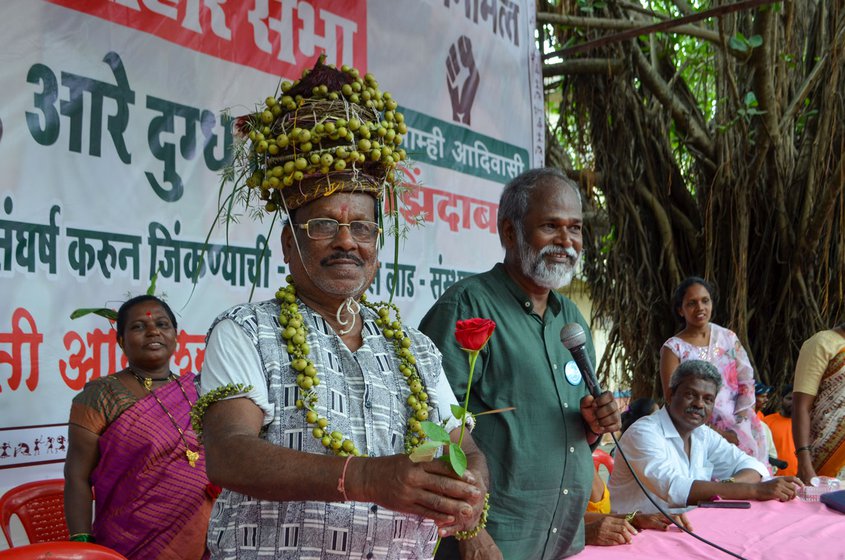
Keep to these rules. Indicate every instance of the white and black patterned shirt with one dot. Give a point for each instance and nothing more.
(362, 394)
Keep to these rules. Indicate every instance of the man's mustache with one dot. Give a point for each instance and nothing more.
(341, 256)
(568, 251)
(695, 410)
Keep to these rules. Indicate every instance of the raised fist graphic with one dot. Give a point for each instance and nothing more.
(462, 79)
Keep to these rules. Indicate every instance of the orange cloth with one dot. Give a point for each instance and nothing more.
(781, 427)
(760, 415)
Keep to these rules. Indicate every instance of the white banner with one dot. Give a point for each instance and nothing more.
(113, 133)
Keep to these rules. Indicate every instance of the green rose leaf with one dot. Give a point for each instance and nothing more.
(458, 411)
(425, 452)
(435, 432)
(458, 459)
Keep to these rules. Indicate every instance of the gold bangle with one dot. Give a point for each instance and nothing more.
(482, 523)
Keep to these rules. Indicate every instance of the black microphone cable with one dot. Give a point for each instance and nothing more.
(573, 338)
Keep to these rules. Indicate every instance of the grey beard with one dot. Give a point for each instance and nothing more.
(546, 275)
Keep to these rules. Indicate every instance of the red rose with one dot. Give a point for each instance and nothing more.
(473, 334)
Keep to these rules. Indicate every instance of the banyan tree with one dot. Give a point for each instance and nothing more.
(708, 137)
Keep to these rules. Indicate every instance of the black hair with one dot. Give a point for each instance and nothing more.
(129, 304)
(636, 410)
(681, 291)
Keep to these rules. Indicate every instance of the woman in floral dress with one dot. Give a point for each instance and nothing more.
(733, 412)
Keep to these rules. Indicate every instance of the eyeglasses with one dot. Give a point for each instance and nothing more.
(327, 228)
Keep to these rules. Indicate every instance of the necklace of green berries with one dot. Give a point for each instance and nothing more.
(294, 332)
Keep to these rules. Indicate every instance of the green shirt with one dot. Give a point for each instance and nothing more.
(541, 468)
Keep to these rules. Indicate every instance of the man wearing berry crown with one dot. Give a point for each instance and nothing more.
(313, 400)
(539, 454)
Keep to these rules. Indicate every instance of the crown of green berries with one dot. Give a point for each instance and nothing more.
(330, 122)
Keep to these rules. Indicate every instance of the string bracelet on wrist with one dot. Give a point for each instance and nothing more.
(341, 482)
(82, 537)
(482, 523)
(631, 516)
(803, 448)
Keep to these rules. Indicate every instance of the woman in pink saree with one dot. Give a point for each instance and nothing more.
(733, 413)
(131, 443)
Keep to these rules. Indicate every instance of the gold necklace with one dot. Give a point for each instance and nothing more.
(294, 332)
(147, 383)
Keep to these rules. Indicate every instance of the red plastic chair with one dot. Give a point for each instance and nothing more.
(61, 550)
(601, 457)
(41, 508)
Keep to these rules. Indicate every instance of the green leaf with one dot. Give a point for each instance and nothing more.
(109, 314)
(458, 411)
(750, 99)
(755, 41)
(425, 451)
(435, 432)
(457, 459)
(738, 44)
(151, 291)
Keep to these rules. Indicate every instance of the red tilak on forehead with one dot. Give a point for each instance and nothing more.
(344, 208)
(149, 314)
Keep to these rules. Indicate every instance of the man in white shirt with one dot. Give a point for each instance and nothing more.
(681, 460)
(312, 401)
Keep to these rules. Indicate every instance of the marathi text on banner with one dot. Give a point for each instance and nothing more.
(454, 147)
(45, 123)
(278, 37)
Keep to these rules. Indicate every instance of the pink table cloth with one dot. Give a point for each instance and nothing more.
(768, 531)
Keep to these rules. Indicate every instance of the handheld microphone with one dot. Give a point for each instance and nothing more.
(574, 339)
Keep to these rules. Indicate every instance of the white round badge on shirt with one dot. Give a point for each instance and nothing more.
(572, 373)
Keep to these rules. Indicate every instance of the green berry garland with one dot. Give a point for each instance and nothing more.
(345, 126)
(218, 394)
(294, 332)
(418, 399)
(482, 522)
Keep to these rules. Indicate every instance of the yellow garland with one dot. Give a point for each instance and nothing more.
(294, 332)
